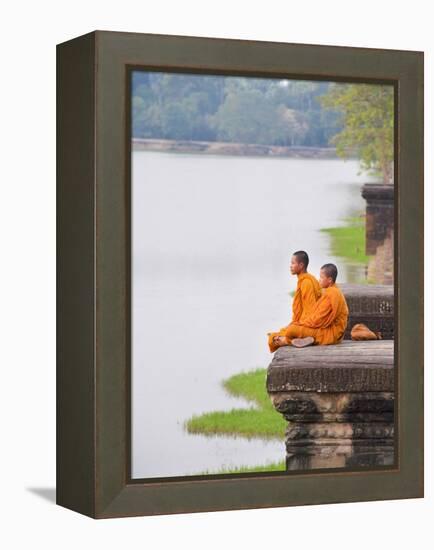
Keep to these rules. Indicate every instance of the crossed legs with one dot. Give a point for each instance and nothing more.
(286, 334)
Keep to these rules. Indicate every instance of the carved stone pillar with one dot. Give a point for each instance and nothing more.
(339, 404)
(379, 214)
(381, 265)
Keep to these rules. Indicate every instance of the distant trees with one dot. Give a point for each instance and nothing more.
(250, 117)
(174, 106)
(367, 118)
(235, 109)
(356, 118)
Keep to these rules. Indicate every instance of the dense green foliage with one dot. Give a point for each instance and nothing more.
(229, 108)
(367, 113)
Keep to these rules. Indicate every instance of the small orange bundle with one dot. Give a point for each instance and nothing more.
(362, 332)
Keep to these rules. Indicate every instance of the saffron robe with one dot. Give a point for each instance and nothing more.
(308, 292)
(326, 322)
(305, 297)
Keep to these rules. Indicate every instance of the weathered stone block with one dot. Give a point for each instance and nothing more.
(338, 401)
(380, 210)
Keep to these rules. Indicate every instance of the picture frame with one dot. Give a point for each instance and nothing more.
(94, 273)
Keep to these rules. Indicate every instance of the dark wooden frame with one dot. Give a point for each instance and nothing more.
(93, 230)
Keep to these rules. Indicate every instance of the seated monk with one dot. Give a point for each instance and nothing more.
(307, 293)
(324, 325)
(308, 290)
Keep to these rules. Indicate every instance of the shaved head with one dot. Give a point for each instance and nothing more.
(302, 257)
(331, 271)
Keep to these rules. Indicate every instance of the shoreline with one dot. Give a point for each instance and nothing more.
(227, 148)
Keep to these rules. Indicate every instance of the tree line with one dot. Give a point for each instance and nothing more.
(235, 109)
(351, 117)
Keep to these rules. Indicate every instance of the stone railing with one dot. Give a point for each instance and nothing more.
(372, 305)
(338, 401)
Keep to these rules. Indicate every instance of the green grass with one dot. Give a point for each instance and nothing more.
(259, 420)
(271, 467)
(349, 241)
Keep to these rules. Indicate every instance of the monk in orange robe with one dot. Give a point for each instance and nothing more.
(306, 295)
(308, 290)
(325, 324)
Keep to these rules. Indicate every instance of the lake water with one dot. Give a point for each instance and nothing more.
(212, 240)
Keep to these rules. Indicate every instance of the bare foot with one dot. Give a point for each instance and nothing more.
(280, 340)
(302, 342)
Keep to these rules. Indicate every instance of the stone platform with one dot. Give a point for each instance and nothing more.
(338, 401)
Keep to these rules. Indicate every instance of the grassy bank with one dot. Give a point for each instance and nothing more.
(259, 420)
(271, 467)
(349, 241)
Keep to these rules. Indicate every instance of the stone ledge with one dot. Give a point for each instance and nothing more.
(345, 367)
(361, 291)
(377, 192)
(339, 404)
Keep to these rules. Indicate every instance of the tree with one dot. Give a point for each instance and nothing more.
(367, 111)
(250, 116)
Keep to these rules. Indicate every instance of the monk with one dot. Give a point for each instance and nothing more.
(306, 295)
(308, 290)
(325, 324)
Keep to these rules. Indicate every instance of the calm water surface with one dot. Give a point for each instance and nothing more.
(212, 239)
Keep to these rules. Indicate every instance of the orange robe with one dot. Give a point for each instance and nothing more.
(326, 322)
(305, 297)
(308, 292)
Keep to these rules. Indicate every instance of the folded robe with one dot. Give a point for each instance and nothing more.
(362, 332)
